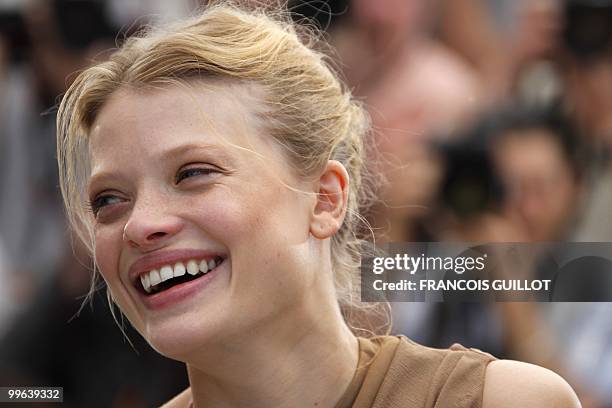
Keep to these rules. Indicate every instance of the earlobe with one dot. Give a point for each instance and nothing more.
(332, 196)
(322, 230)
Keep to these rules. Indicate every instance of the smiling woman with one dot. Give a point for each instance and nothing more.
(214, 169)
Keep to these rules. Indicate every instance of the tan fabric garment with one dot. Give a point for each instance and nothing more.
(396, 372)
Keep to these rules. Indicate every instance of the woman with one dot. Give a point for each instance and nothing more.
(221, 161)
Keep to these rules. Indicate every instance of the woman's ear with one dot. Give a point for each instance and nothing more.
(332, 196)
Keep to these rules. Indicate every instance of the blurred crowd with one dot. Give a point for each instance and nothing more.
(492, 122)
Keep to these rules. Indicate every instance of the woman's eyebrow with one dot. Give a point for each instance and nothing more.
(212, 151)
(189, 147)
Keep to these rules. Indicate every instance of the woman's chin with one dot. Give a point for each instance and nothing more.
(179, 332)
(180, 340)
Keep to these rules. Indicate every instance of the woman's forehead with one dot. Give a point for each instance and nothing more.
(156, 117)
(197, 102)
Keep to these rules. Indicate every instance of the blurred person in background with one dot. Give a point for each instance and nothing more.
(587, 72)
(467, 207)
(415, 89)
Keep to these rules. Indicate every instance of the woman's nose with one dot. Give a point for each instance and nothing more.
(150, 227)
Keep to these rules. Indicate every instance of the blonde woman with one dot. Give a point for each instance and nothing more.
(220, 161)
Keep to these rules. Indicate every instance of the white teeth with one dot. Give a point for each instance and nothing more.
(179, 269)
(192, 267)
(154, 277)
(146, 282)
(166, 273)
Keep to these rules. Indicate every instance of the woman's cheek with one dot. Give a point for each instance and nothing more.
(239, 222)
(107, 249)
(223, 217)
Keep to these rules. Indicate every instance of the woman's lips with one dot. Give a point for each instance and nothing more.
(181, 291)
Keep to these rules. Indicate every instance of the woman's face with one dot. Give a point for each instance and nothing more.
(186, 177)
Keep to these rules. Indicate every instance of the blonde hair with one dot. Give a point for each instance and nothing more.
(315, 118)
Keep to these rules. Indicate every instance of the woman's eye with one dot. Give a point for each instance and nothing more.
(192, 172)
(103, 201)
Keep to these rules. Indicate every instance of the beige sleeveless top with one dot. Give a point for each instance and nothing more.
(396, 372)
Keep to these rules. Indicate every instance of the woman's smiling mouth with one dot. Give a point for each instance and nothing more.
(170, 276)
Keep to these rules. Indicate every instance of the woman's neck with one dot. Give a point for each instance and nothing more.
(288, 365)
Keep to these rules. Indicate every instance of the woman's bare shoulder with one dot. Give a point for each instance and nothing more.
(182, 400)
(513, 384)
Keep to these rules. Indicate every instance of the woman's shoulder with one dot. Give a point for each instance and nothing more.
(181, 400)
(463, 377)
(510, 384)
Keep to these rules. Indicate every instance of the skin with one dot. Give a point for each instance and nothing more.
(267, 330)
(512, 384)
